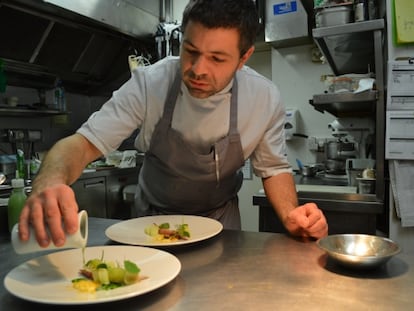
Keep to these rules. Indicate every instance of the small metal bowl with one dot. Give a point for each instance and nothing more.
(359, 250)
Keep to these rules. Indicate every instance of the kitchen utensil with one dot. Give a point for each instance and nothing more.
(2, 178)
(309, 170)
(300, 164)
(76, 240)
(366, 185)
(359, 250)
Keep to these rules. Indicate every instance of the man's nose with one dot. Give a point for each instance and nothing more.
(199, 66)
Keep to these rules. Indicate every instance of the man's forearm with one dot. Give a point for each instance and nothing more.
(281, 193)
(65, 161)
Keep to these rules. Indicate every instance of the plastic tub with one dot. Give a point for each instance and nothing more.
(332, 16)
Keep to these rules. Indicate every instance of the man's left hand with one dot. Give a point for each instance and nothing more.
(307, 221)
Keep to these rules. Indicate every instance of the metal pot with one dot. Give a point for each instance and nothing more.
(340, 150)
(309, 170)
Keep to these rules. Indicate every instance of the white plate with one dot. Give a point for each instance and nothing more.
(132, 231)
(47, 279)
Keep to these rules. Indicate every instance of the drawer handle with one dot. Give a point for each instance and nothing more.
(95, 184)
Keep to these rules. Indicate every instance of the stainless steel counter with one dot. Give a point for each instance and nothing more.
(346, 211)
(239, 270)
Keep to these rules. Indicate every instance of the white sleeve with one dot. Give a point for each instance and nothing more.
(270, 155)
(138, 104)
(118, 117)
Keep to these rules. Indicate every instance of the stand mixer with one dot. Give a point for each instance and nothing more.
(353, 140)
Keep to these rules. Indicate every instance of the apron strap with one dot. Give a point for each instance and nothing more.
(233, 108)
(171, 98)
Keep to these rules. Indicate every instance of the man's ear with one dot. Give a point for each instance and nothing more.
(246, 56)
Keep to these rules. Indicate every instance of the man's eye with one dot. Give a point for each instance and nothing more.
(217, 59)
(191, 52)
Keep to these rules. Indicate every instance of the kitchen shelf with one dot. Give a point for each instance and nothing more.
(18, 112)
(346, 104)
(349, 48)
(357, 48)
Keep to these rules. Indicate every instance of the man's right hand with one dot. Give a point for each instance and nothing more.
(53, 211)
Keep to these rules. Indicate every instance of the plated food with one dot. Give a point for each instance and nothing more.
(48, 279)
(99, 274)
(166, 233)
(132, 231)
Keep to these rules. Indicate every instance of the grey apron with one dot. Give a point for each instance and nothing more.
(176, 179)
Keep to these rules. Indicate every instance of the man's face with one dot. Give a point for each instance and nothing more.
(209, 58)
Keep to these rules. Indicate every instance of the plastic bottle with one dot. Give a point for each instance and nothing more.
(59, 97)
(20, 164)
(360, 10)
(3, 80)
(16, 201)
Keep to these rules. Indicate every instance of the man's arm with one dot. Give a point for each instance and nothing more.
(65, 162)
(306, 220)
(281, 193)
(52, 199)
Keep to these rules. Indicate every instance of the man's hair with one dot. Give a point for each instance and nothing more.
(239, 14)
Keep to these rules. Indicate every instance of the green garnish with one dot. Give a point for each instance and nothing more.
(108, 274)
(131, 267)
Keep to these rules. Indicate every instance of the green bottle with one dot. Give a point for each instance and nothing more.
(16, 201)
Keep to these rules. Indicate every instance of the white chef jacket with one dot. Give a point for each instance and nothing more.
(140, 101)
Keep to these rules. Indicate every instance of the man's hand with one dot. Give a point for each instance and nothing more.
(307, 221)
(52, 210)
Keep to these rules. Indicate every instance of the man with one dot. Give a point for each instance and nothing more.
(200, 117)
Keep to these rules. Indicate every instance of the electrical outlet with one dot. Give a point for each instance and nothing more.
(312, 144)
(317, 143)
(16, 135)
(34, 135)
(321, 144)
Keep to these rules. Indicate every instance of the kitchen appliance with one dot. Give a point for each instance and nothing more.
(8, 166)
(18, 139)
(23, 139)
(351, 126)
(353, 140)
(92, 37)
(286, 23)
(337, 152)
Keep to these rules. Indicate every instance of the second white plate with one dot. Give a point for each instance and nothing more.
(132, 231)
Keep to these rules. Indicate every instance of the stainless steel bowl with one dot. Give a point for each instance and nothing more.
(359, 250)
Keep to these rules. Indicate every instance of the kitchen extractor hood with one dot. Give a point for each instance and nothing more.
(288, 22)
(132, 17)
(83, 43)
